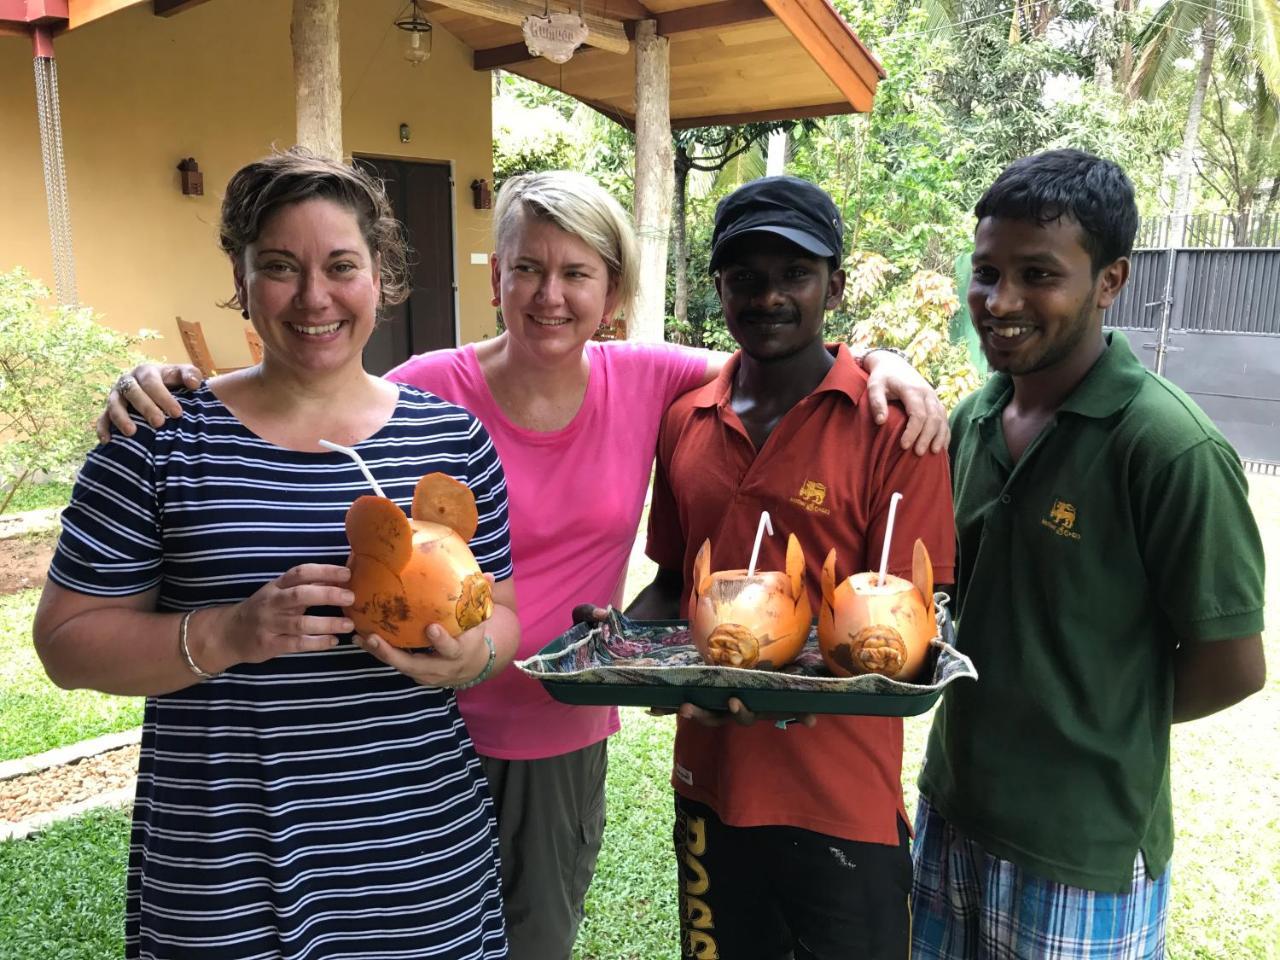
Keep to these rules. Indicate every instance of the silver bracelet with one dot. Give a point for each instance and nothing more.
(483, 675)
(186, 651)
(894, 350)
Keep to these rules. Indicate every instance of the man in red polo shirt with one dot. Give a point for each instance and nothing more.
(791, 842)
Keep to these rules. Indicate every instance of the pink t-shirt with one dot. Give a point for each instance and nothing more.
(575, 496)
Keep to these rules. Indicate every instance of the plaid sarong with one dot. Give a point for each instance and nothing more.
(969, 905)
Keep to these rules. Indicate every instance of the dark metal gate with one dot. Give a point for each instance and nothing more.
(1208, 318)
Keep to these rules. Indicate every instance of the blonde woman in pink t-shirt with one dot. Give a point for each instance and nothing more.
(575, 423)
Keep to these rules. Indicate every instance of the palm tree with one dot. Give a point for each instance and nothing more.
(1251, 30)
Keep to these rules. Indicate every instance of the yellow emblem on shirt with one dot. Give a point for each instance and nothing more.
(1062, 519)
(811, 496)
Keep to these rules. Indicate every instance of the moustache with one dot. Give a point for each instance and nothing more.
(760, 317)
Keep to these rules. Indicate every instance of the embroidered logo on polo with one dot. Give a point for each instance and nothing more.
(1062, 520)
(811, 496)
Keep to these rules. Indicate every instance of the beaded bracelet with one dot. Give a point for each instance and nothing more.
(488, 667)
(894, 350)
(186, 651)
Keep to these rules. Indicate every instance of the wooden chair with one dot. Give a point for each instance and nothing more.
(198, 348)
(255, 344)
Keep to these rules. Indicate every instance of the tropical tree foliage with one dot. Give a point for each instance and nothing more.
(970, 86)
(1239, 159)
(886, 307)
(55, 367)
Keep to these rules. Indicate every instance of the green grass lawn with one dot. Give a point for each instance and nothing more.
(34, 714)
(38, 496)
(64, 890)
(64, 887)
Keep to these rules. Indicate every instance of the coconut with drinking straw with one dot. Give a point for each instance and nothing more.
(874, 622)
(749, 618)
(408, 573)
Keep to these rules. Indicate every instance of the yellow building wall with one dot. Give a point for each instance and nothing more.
(140, 92)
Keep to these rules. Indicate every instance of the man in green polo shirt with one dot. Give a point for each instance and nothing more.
(1109, 584)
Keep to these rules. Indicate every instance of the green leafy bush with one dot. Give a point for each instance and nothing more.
(886, 306)
(55, 368)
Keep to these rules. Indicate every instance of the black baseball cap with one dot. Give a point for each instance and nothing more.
(789, 207)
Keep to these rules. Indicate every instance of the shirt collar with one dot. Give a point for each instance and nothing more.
(1108, 386)
(845, 376)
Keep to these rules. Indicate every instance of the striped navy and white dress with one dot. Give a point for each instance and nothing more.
(318, 805)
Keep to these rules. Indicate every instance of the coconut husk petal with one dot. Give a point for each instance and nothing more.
(439, 498)
(378, 528)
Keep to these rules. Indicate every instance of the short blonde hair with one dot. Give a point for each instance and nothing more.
(579, 206)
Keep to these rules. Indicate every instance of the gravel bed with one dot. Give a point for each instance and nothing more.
(48, 790)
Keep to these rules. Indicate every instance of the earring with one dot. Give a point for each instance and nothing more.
(245, 314)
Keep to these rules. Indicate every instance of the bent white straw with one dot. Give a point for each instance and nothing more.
(888, 535)
(764, 524)
(339, 448)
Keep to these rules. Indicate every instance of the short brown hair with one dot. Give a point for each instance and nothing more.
(256, 191)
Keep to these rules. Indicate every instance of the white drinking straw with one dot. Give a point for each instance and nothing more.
(765, 524)
(888, 535)
(339, 448)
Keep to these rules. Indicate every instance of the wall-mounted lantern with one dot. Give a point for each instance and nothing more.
(481, 196)
(192, 178)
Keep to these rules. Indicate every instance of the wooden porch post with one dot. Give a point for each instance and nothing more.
(317, 76)
(655, 179)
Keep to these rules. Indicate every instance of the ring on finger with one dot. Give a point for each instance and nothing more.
(126, 383)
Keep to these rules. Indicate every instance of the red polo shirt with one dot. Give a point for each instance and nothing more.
(826, 474)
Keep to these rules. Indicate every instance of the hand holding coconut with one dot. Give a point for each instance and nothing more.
(410, 574)
(273, 621)
(415, 584)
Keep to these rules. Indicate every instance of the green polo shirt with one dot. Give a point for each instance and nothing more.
(1124, 529)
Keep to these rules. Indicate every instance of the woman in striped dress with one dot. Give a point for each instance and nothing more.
(299, 795)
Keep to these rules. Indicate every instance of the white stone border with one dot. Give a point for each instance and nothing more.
(31, 521)
(60, 757)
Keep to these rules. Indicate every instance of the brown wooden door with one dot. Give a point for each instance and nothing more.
(421, 195)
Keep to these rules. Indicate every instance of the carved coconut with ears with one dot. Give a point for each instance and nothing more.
(407, 574)
(877, 623)
(750, 618)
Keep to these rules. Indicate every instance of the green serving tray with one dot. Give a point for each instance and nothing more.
(652, 663)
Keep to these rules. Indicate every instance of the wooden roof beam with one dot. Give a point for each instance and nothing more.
(762, 116)
(495, 58)
(169, 8)
(86, 11)
(723, 14)
(604, 33)
(834, 47)
(711, 15)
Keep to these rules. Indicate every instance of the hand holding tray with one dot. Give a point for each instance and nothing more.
(654, 664)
